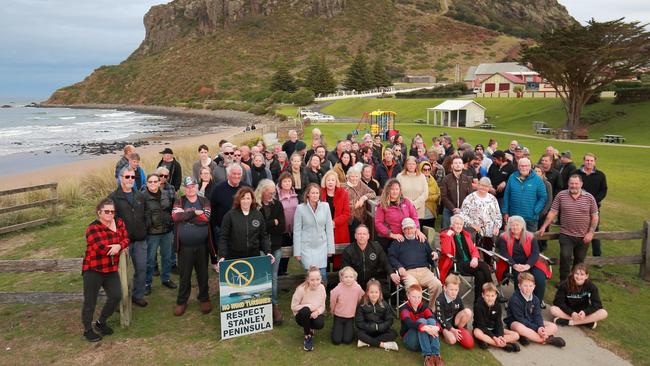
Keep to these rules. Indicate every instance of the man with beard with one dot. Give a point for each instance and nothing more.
(525, 195)
(455, 187)
(552, 175)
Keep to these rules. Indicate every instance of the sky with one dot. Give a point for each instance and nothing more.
(48, 44)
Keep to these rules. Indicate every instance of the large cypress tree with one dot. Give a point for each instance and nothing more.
(380, 77)
(319, 77)
(358, 77)
(283, 80)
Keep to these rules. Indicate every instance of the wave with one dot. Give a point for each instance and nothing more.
(68, 117)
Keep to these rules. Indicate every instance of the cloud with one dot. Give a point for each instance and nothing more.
(603, 10)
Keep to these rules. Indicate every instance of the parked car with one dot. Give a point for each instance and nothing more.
(477, 90)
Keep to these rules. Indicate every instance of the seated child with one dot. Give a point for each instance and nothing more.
(374, 319)
(452, 314)
(577, 301)
(419, 328)
(525, 315)
(488, 323)
(344, 299)
(308, 305)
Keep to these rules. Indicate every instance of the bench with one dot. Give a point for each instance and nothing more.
(487, 126)
(544, 131)
(614, 139)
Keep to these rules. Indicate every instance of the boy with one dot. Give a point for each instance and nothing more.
(488, 324)
(452, 315)
(525, 316)
(419, 328)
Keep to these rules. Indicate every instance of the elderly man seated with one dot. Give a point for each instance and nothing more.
(412, 259)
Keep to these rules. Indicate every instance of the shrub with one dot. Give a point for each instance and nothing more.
(632, 95)
(303, 97)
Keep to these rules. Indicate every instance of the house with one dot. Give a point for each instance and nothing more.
(476, 74)
(457, 113)
(503, 77)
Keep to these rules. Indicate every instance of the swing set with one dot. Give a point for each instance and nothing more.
(378, 122)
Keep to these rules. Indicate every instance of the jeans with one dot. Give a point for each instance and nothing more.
(446, 218)
(323, 275)
(92, 282)
(303, 318)
(540, 281)
(164, 241)
(571, 247)
(138, 253)
(276, 267)
(421, 341)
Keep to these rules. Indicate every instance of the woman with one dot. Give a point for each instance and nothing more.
(273, 213)
(296, 171)
(205, 182)
(259, 170)
(437, 171)
(414, 185)
(388, 168)
(339, 204)
(437, 146)
(282, 160)
(366, 177)
(105, 240)
(547, 206)
(399, 141)
(433, 198)
(521, 250)
(393, 207)
(481, 212)
(204, 162)
(456, 245)
(289, 198)
(313, 172)
(313, 231)
(358, 194)
(341, 168)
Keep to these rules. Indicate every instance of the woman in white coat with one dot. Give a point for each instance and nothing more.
(313, 231)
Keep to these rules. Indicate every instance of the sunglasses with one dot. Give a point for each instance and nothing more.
(108, 212)
(163, 175)
(153, 181)
(426, 170)
(229, 153)
(129, 176)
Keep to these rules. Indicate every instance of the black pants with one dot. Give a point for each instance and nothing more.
(571, 247)
(287, 241)
(428, 222)
(385, 242)
(342, 330)
(481, 275)
(192, 258)
(488, 244)
(374, 339)
(595, 243)
(303, 318)
(93, 281)
(543, 244)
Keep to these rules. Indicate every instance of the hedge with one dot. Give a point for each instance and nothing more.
(632, 95)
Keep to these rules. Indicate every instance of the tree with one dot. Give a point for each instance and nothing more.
(380, 77)
(578, 60)
(303, 96)
(319, 77)
(283, 80)
(358, 77)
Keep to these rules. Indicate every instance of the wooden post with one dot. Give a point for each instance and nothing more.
(644, 271)
(53, 195)
(125, 304)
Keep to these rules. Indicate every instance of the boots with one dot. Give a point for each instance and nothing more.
(180, 309)
(206, 307)
(277, 315)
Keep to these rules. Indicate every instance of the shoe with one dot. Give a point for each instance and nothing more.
(277, 315)
(390, 346)
(590, 325)
(147, 290)
(180, 309)
(140, 302)
(308, 345)
(206, 307)
(512, 347)
(103, 328)
(428, 361)
(362, 344)
(437, 360)
(524, 341)
(481, 344)
(91, 336)
(170, 284)
(543, 305)
(174, 269)
(156, 272)
(556, 341)
(560, 321)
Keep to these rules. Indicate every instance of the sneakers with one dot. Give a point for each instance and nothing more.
(524, 341)
(91, 336)
(556, 341)
(362, 344)
(390, 346)
(481, 344)
(512, 347)
(429, 361)
(590, 325)
(147, 290)
(543, 305)
(103, 328)
(308, 345)
(140, 302)
(560, 321)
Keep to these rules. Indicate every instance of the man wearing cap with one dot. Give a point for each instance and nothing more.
(525, 195)
(272, 163)
(175, 171)
(499, 173)
(412, 259)
(567, 168)
(194, 245)
(594, 182)
(518, 155)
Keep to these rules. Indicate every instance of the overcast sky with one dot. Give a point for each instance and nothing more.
(47, 44)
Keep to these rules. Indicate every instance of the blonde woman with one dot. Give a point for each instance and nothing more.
(414, 184)
(433, 198)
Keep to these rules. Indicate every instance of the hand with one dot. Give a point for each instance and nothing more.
(434, 255)
(518, 267)
(178, 210)
(275, 222)
(505, 218)
(314, 314)
(272, 258)
(114, 249)
(476, 228)
(582, 314)
(299, 258)
(329, 254)
(215, 267)
(473, 263)
(539, 232)
(456, 211)
(395, 278)
(495, 231)
(198, 212)
(457, 334)
(588, 237)
(575, 316)
(500, 341)
(398, 237)
(421, 237)
(402, 272)
(501, 186)
(431, 330)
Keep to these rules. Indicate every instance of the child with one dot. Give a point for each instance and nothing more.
(488, 323)
(374, 319)
(419, 327)
(308, 305)
(577, 301)
(343, 304)
(452, 315)
(525, 315)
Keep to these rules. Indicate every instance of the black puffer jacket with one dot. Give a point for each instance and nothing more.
(158, 212)
(242, 235)
(131, 214)
(272, 212)
(374, 318)
(371, 263)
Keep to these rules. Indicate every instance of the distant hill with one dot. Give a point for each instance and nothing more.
(228, 49)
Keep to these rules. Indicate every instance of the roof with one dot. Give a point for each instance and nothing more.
(471, 73)
(489, 69)
(512, 78)
(454, 105)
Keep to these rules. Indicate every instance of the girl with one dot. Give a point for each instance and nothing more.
(308, 305)
(343, 303)
(577, 301)
(374, 320)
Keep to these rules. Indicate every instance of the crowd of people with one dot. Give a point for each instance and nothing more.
(254, 200)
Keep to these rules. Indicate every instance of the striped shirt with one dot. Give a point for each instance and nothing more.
(575, 213)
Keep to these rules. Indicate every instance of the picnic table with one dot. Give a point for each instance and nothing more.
(544, 131)
(487, 126)
(614, 139)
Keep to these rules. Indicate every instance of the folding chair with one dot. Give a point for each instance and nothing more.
(467, 280)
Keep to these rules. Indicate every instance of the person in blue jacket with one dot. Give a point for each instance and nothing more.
(525, 195)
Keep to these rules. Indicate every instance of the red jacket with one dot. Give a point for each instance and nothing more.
(98, 238)
(448, 246)
(502, 266)
(341, 214)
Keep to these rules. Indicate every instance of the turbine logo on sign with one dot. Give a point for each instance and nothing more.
(239, 274)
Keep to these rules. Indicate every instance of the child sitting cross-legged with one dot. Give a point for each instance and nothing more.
(488, 323)
(452, 314)
(419, 327)
(308, 306)
(344, 299)
(374, 320)
(525, 315)
(577, 301)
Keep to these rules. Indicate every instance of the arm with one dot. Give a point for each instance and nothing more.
(506, 198)
(503, 250)
(360, 321)
(434, 191)
(265, 244)
(178, 176)
(297, 232)
(596, 304)
(342, 217)
(321, 308)
(224, 238)
(380, 226)
(296, 299)
(95, 241)
(534, 253)
(181, 215)
(446, 200)
(602, 192)
(329, 232)
(334, 298)
(393, 257)
(541, 196)
(122, 234)
(421, 199)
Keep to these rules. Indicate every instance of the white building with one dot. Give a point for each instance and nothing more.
(457, 113)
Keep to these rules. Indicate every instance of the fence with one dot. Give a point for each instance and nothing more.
(51, 201)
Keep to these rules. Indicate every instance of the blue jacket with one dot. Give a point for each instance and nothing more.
(528, 313)
(140, 179)
(525, 199)
(410, 254)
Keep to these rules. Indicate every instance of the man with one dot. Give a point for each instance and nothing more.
(578, 222)
(124, 160)
(594, 182)
(567, 167)
(412, 259)
(134, 165)
(301, 149)
(167, 189)
(446, 143)
(367, 156)
(455, 187)
(289, 146)
(518, 154)
(368, 259)
(307, 155)
(460, 140)
(228, 156)
(511, 148)
(525, 195)
(555, 161)
(129, 206)
(499, 173)
(552, 175)
(377, 148)
(272, 163)
(222, 196)
(174, 167)
(325, 163)
(334, 155)
(245, 154)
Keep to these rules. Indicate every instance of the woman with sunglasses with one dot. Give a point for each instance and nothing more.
(106, 237)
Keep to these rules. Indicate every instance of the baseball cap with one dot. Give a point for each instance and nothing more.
(167, 151)
(566, 154)
(188, 181)
(499, 154)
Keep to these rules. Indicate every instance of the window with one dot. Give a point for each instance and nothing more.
(489, 87)
(504, 87)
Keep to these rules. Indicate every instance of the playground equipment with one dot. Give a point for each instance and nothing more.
(379, 122)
